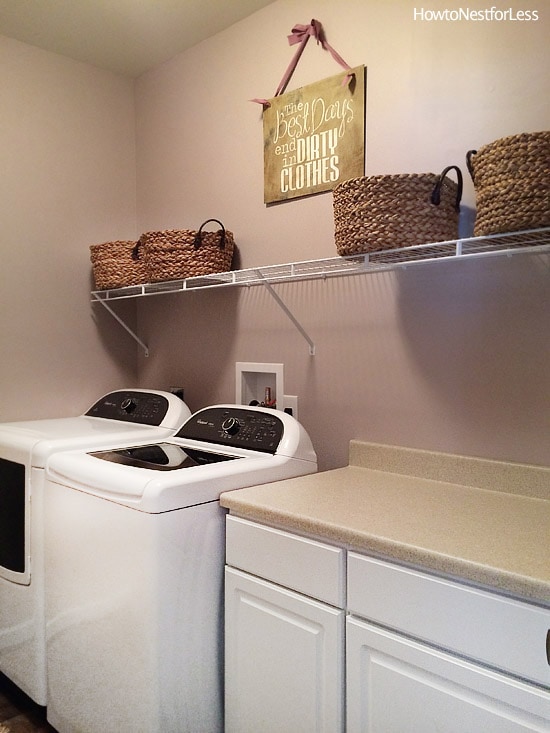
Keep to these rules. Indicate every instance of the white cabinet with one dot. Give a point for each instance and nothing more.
(397, 685)
(284, 651)
(423, 654)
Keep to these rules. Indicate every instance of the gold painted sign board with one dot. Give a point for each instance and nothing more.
(314, 137)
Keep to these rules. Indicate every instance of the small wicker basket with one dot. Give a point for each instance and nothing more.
(390, 211)
(511, 180)
(115, 265)
(175, 254)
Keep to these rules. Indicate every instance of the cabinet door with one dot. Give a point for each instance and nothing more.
(397, 685)
(283, 660)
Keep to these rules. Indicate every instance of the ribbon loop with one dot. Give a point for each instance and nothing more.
(301, 34)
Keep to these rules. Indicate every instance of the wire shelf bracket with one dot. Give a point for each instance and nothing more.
(290, 315)
(124, 325)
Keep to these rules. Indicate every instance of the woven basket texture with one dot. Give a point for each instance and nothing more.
(171, 254)
(511, 180)
(114, 266)
(384, 212)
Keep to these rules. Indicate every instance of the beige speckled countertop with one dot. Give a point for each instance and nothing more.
(486, 522)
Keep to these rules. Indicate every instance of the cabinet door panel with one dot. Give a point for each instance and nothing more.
(395, 684)
(284, 660)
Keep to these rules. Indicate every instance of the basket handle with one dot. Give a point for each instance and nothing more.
(469, 155)
(198, 237)
(436, 193)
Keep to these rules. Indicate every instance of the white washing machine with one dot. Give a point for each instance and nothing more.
(134, 570)
(124, 415)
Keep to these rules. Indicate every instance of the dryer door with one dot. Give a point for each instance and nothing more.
(13, 522)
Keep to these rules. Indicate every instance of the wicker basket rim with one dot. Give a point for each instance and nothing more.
(125, 242)
(518, 137)
(394, 177)
(165, 232)
(391, 176)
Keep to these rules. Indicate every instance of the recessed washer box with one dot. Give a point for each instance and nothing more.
(251, 381)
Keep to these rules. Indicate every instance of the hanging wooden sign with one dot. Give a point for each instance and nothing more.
(314, 137)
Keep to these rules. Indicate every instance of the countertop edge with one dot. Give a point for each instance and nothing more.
(497, 580)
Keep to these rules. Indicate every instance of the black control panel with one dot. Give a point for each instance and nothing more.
(236, 427)
(130, 406)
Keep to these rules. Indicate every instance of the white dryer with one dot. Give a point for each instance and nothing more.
(134, 570)
(123, 415)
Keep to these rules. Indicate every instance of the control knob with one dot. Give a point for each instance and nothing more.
(128, 405)
(231, 425)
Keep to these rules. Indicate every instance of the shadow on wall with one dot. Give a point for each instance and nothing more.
(116, 342)
(191, 339)
(466, 221)
(477, 331)
(172, 327)
(448, 356)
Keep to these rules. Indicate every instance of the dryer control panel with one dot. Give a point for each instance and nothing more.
(240, 427)
(132, 406)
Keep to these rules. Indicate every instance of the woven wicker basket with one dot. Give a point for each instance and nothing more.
(511, 179)
(180, 253)
(385, 212)
(115, 265)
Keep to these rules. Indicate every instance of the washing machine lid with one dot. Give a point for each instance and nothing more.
(152, 491)
(162, 456)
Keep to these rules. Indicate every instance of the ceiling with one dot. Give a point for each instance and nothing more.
(126, 36)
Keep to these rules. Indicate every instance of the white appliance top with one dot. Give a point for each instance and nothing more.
(123, 415)
(218, 449)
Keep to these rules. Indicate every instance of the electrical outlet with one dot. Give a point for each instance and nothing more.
(290, 405)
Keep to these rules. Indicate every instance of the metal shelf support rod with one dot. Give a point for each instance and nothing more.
(124, 326)
(290, 315)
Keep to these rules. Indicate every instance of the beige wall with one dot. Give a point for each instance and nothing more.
(67, 161)
(448, 357)
(451, 356)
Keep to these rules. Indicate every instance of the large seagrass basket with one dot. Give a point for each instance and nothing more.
(512, 183)
(175, 254)
(115, 265)
(392, 211)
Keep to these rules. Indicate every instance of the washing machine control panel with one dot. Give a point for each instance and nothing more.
(259, 430)
(147, 408)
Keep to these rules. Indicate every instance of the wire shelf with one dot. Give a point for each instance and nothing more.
(529, 242)
(533, 241)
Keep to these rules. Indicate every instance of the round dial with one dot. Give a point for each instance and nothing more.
(128, 405)
(231, 425)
